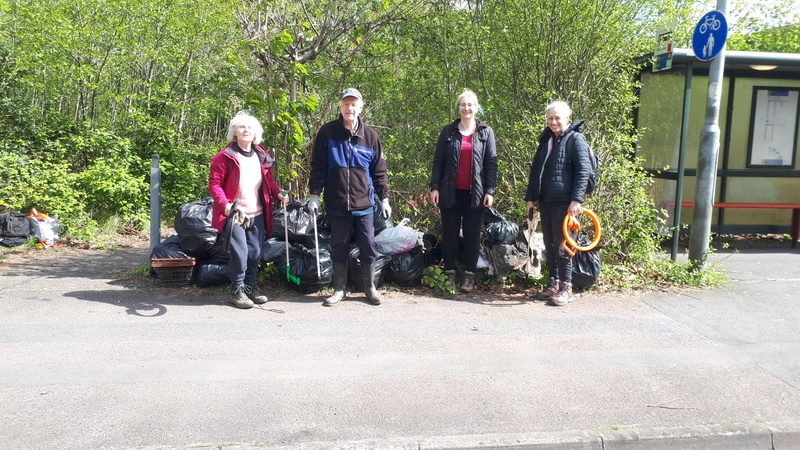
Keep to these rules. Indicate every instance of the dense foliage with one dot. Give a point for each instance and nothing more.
(89, 90)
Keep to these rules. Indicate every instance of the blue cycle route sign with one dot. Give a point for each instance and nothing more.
(710, 35)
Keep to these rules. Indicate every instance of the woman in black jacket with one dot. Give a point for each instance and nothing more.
(463, 183)
(557, 185)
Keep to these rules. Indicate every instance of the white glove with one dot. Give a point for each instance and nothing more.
(386, 210)
(313, 204)
(240, 218)
(229, 209)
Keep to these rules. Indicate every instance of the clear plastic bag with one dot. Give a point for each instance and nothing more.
(47, 229)
(398, 239)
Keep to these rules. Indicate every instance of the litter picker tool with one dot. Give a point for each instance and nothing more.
(289, 276)
(316, 242)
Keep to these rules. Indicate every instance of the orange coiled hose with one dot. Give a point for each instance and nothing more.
(571, 225)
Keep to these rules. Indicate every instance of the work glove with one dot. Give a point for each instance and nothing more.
(313, 204)
(240, 218)
(386, 210)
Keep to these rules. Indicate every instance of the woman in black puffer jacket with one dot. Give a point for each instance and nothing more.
(463, 183)
(557, 185)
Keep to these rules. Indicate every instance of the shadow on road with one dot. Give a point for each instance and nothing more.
(157, 301)
(91, 264)
(87, 274)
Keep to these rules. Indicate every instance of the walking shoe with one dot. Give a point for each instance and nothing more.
(550, 291)
(563, 296)
(239, 297)
(468, 283)
(255, 294)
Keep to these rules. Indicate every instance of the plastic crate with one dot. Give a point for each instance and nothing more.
(173, 272)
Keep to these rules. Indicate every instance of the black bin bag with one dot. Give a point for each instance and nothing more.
(407, 268)
(354, 275)
(210, 274)
(498, 229)
(585, 265)
(193, 225)
(302, 275)
(300, 222)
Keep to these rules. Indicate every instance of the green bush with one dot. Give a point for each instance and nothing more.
(113, 188)
(184, 176)
(47, 186)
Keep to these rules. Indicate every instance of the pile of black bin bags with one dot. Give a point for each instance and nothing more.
(198, 239)
(504, 247)
(504, 250)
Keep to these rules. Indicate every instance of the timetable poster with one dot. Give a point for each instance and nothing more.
(774, 129)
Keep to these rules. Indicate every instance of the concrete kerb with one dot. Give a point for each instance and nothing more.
(768, 436)
(785, 435)
(753, 436)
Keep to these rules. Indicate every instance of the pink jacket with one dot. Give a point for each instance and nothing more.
(223, 183)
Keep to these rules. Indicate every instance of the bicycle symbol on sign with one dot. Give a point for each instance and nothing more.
(710, 22)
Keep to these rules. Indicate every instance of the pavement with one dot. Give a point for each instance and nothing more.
(92, 360)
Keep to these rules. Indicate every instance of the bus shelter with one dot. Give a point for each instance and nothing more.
(757, 161)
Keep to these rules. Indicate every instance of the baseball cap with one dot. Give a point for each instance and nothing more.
(351, 92)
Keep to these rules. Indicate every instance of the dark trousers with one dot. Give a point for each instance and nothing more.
(245, 251)
(461, 217)
(559, 263)
(342, 227)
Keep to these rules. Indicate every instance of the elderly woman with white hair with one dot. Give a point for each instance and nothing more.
(241, 180)
(557, 185)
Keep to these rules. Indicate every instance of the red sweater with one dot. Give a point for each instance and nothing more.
(464, 177)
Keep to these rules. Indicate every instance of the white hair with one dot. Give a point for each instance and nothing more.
(560, 106)
(244, 118)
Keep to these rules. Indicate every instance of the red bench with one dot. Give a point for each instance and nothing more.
(795, 207)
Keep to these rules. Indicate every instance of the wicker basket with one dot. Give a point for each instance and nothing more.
(173, 272)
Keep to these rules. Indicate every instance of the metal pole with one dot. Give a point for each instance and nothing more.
(687, 100)
(707, 160)
(726, 155)
(155, 202)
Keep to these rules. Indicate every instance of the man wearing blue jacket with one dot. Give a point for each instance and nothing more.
(348, 167)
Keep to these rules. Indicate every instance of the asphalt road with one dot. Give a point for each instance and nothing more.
(89, 361)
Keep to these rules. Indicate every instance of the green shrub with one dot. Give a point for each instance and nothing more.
(47, 186)
(112, 189)
(436, 279)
